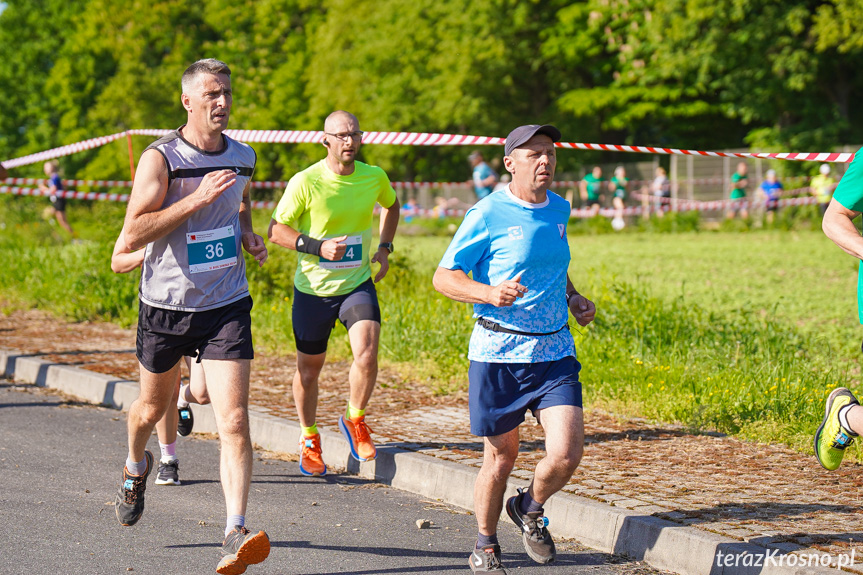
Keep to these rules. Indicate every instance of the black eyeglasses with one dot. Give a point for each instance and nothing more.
(345, 136)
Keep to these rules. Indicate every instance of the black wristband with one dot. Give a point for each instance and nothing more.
(309, 245)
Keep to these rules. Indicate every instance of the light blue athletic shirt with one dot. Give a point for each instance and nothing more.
(498, 238)
(481, 172)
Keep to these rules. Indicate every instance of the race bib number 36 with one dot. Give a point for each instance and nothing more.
(211, 249)
(353, 257)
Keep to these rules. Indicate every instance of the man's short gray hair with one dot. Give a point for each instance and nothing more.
(205, 66)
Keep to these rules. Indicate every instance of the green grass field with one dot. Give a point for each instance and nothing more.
(743, 333)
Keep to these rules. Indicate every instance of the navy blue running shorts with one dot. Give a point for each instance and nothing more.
(165, 336)
(500, 394)
(314, 317)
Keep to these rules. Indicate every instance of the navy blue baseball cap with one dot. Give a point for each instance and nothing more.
(522, 134)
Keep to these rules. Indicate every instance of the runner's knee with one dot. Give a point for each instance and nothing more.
(234, 423)
(309, 372)
(149, 412)
(566, 462)
(367, 359)
(499, 464)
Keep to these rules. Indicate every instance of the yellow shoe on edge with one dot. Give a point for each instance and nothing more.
(832, 439)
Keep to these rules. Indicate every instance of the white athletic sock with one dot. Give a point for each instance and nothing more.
(843, 418)
(233, 521)
(181, 400)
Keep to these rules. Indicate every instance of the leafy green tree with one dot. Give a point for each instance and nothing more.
(31, 33)
(678, 73)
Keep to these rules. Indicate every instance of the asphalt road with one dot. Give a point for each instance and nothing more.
(61, 463)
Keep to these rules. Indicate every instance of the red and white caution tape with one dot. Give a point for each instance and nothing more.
(682, 205)
(420, 139)
(69, 194)
(397, 185)
(61, 151)
(93, 183)
(798, 156)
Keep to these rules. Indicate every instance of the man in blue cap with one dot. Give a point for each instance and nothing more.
(522, 355)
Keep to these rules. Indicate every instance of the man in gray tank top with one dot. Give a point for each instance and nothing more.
(190, 207)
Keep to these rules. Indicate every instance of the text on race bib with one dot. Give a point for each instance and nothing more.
(211, 249)
(353, 257)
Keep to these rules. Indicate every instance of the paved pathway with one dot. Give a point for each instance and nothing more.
(59, 470)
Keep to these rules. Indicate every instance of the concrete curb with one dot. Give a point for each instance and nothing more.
(661, 543)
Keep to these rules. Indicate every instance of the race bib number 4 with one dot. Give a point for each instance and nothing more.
(353, 257)
(211, 249)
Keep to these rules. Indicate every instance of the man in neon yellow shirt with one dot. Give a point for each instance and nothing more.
(822, 187)
(326, 216)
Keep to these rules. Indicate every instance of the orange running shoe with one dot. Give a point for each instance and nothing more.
(311, 461)
(241, 549)
(357, 433)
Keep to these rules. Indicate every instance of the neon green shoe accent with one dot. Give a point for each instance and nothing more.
(832, 439)
(310, 431)
(354, 413)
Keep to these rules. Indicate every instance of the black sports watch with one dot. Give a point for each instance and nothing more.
(387, 246)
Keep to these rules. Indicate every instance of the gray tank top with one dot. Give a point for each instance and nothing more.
(199, 266)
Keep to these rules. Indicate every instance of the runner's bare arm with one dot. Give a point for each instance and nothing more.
(456, 285)
(252, 242)
(284, 235)
(146, 221)
(838, 225)
(389, 223)
(122, 260)
(50, 188)
(581, 308)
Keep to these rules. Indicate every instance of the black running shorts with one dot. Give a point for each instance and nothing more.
(58, 203)
(165, 336)
(314, 317)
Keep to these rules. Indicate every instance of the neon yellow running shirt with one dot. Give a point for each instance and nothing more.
(324, 205)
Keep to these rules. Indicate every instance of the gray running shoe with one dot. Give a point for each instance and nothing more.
(486, 560)
(186, 421)
(241, 549)
(168, 473)
(129, 503)
(534, 530)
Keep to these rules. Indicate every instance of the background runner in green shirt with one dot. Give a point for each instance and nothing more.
(591, 190)
(739, 182)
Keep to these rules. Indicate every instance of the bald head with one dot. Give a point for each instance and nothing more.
(338, 119)
(343, 138)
